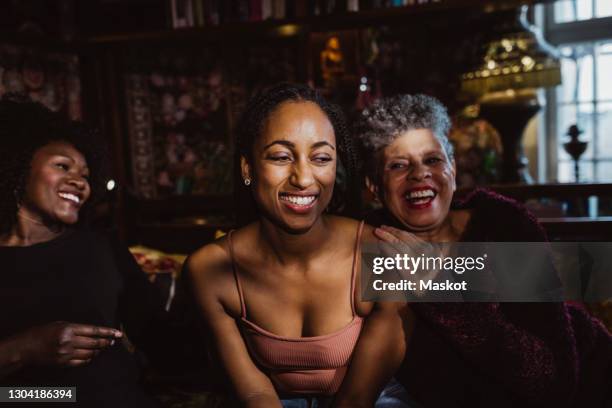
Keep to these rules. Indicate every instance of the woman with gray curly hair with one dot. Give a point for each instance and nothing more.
(410, 166)
(502, 354)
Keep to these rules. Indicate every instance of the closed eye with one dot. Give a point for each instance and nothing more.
(397, 166)
(280, 159)
(433, 160)
(322, 159)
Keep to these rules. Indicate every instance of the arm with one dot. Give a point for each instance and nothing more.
(377, 356)
(11, 356)
(213, 287)
(58, 343)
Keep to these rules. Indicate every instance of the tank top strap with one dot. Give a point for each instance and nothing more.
(356, 261)
(236, 275)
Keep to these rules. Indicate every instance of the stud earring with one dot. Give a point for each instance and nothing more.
(247, 181)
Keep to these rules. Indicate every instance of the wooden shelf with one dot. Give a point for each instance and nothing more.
(286, 28)
(562, 190)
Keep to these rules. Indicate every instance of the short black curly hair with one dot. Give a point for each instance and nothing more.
(346, 199)
(25, 127)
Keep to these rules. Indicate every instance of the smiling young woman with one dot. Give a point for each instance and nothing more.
(65, 289)
(280, 294)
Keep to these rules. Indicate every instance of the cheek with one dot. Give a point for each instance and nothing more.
(392, 185)
(270, 176)
(86, 194)
(447, 177)
(38, 183)
(327, 176)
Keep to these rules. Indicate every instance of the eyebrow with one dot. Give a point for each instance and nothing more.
(291, 145)
(65, 156)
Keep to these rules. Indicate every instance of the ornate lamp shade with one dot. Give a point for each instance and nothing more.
(515, 61)
(517, 58)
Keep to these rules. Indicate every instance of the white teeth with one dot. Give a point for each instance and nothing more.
(298, 200)
(421, 194)
(70, 197)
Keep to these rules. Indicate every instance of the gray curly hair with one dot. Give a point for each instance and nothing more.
(390, 117)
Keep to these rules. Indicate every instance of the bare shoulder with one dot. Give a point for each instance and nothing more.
(209, 259)
(212, 279)
(344, 225)
(367, 236)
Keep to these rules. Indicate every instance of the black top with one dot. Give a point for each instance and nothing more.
(80, 277)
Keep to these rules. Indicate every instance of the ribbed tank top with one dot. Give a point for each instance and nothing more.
(302, 365)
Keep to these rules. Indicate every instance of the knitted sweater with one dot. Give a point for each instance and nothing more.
(505, 354)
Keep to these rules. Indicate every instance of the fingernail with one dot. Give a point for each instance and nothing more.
(118, 334)
(112, 343)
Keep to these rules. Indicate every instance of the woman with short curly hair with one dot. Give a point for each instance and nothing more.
(483, 354)
(66, 290)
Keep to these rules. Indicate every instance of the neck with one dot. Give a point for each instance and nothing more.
(446, 231)
(441, 233)
(31, 229)
(291, 248)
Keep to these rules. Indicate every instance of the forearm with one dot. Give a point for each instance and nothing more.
(261, 400)
(379, 353)
(13, 356)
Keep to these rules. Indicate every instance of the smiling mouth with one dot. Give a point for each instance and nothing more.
(420, 198)
(298, 201)
(71, 197)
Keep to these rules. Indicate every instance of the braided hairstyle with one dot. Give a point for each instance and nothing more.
(346, 199)
(25, 127)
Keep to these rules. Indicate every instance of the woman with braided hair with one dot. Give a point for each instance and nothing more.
(279, 294)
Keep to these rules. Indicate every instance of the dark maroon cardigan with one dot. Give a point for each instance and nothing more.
(505, 354)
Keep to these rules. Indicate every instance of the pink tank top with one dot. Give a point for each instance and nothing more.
(303, 365)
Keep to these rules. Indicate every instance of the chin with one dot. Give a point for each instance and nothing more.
(419, 223)
(68, 219)
(297, 227)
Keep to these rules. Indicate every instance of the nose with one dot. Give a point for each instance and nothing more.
(419, 172)
(78, 182)
(302, 175)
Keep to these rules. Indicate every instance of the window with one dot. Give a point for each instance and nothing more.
(576, 10)
(582, 31)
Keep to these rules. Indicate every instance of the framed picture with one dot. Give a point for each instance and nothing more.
(46, 77)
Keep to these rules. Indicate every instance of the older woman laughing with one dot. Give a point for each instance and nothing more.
(506, 354)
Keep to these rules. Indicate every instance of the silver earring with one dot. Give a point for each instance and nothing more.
(247, 181)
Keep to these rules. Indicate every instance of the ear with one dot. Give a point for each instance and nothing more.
(245, 168)
(371, 186)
